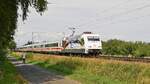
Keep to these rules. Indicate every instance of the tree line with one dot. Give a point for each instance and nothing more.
(126, 48)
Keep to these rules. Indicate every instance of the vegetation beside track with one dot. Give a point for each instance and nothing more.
(9, 75)
(120, 47)
(94, 71)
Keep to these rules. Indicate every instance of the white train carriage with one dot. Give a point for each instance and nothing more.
(42, 47)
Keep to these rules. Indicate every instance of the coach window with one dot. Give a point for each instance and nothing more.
(36, 46)
(48, 45)
(42, 46)
(52, 45)
(55, 44)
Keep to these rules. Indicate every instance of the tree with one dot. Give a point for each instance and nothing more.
(12, 44)
(9, 15)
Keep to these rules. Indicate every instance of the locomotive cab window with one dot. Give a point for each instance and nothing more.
(93, 38)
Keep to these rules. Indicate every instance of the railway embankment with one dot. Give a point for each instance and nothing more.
(93, 70)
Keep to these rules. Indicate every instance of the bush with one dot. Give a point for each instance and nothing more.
(119, 47)
(29, 55)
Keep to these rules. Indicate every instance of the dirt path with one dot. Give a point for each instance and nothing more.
(37, 75)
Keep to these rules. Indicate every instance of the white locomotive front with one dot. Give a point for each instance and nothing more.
(86, 43)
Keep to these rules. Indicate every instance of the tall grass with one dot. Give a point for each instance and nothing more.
(9, 75)
(94, 71)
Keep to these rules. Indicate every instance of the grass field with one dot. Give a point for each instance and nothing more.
(9, 75)
(94, 71)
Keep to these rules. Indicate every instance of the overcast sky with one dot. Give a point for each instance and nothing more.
(122, 19)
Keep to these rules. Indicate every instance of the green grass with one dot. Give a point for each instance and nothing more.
(17, 56)
(95, 71)
(9, 75)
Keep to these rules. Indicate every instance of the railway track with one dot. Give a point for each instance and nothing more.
(130, 59)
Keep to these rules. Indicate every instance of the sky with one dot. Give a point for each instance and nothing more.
(113, 19)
